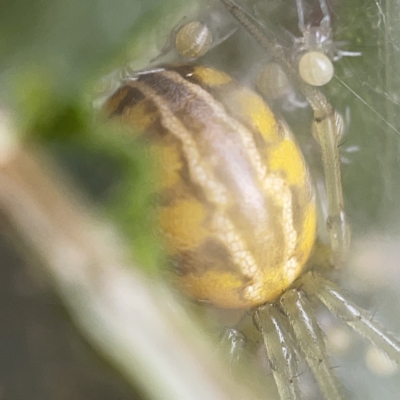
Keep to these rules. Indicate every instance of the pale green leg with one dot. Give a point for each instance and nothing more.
(309, 339)
(339, 305)
(280, 349)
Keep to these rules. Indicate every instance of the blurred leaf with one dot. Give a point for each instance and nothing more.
(51, 52)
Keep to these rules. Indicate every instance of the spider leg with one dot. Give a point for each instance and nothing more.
(281, 351)
(343, 53)
(333, 298)
(235, 341)
(327, 129)
(300, 15)
(310, 341)
(326, 19)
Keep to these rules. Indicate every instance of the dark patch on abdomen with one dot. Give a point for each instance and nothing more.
(209, 255)
(130, 99)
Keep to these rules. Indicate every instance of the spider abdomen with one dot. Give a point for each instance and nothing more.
(236, 206)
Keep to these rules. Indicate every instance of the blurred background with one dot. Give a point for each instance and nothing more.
(59, 59)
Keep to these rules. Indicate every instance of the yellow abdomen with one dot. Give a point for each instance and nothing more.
(236, 206)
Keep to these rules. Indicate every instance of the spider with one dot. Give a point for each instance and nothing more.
(317, 49)
(185, 109)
